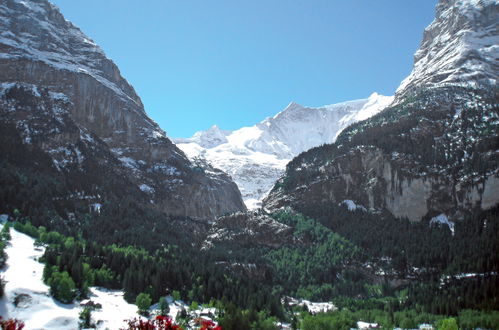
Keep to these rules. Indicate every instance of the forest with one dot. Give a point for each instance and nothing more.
(371, 266)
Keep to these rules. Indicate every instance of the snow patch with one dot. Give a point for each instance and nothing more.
(147, 189)
(366, 325)
(352, 206)
(36, 308)
(442, 219)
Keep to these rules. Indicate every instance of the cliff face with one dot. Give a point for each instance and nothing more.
(247, 229)
(436, 149)
(460, 46)
(64, 95)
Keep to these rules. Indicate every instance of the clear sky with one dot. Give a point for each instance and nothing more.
(232, 63)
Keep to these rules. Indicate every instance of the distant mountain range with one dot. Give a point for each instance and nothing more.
(255, 157)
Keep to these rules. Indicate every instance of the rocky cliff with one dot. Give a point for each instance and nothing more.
(249, 229)
(436, 149)
(460, 47)
(65, 97)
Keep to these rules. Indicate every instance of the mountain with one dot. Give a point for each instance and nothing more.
(68, 114)
(435, 150)
(255, 157)
(459, 47)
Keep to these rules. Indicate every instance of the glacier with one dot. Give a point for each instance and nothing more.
(255, 157)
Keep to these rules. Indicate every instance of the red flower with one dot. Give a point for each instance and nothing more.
(209, 325)
(11, 324)
(159, 323)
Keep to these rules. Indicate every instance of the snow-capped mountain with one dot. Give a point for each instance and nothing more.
(460, 47)
(256, 156)
(434, 152)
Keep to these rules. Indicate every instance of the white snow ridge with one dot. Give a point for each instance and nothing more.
(255, 157)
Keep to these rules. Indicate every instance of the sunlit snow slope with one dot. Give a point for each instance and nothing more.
(256, 156)
(36, 308)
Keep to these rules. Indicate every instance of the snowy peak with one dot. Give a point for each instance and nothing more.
(300, 128)
(460, 47)
(256, 156)
(210, 138)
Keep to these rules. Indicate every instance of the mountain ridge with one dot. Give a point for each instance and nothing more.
(256, 156)
(62, 92)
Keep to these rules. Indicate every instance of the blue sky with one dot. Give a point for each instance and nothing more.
(232, 63)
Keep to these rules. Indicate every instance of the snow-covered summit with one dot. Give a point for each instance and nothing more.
(210, 138)
(460, 46)
(256, 156)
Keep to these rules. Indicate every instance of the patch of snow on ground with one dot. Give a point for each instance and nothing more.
(352, 206)
(38, 310)
(366, 325)
(313, 307)
(147, 189)
(23, 274)
(114, 308)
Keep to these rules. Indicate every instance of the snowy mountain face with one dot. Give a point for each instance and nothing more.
(435, 149)
(64, 97)
(460, 47)
(255, 157)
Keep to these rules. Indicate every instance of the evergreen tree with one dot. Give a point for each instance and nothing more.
(164, 308)
(143, 302)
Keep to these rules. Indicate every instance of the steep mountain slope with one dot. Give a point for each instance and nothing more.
(63, 98)
(459, 46)
(436, 150)
(256, 156)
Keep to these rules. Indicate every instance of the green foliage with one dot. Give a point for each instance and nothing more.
(164, 308)
(194, 305)
(314, 268)
(85, 317)
(234, 318)
(143, 302)
(448, 324)
(176, 295)
(473, 319)
(5, 233)
(334, 320)
(4, 239)
(2, 286)
(62, 287)
(26, 228)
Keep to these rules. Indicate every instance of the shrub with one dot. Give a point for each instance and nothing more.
(143, 302)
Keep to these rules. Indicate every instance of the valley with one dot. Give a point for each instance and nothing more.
(377, 212)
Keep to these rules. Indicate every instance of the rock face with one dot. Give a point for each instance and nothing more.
(256, 156)
(246, 229)
(66, 97)
(436, 149)
(460, 46)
